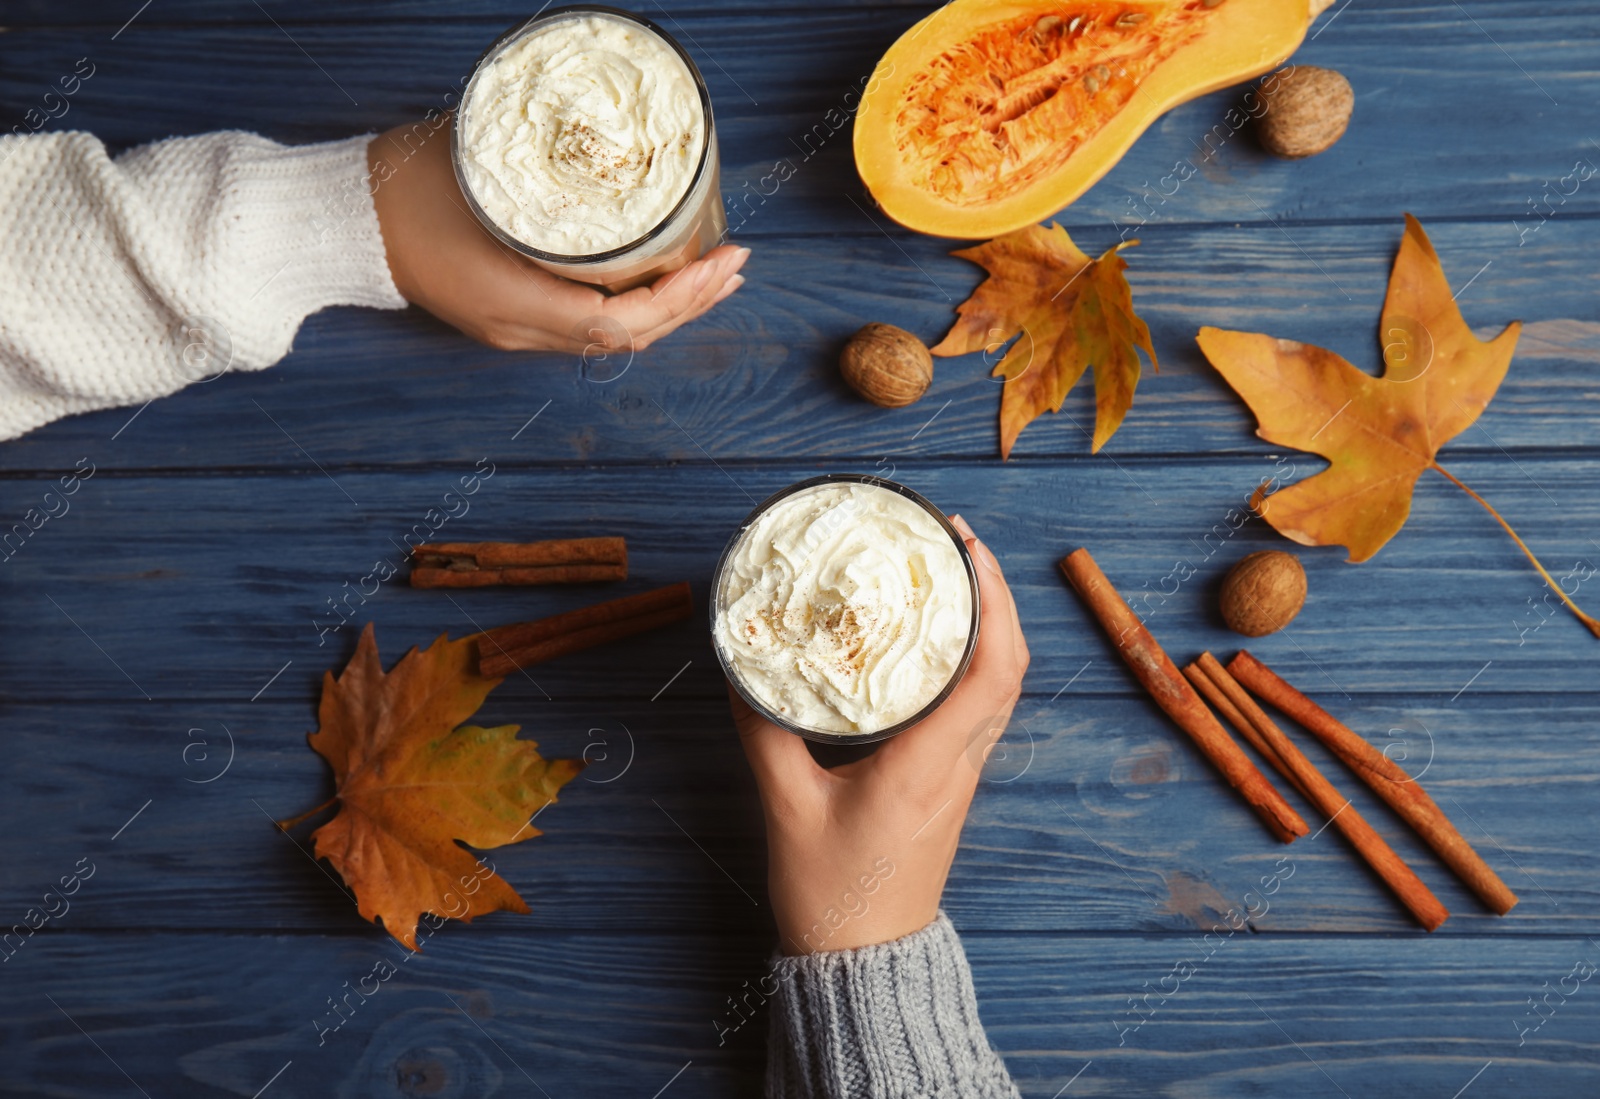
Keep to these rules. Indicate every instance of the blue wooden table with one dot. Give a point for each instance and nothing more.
(166, 637)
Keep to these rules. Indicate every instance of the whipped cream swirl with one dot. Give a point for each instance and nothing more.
(582, 135)
(844, 608)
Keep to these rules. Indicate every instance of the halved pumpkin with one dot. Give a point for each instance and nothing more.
(985, 117)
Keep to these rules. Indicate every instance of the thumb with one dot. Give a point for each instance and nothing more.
(779, 759)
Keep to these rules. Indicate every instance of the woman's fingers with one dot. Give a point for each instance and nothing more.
(649, 312)
(552, 313)
(998, 665)
(443, 259)
(562, 315)
(978, 708)
(985, 558)
(780, 760)
(700, 308)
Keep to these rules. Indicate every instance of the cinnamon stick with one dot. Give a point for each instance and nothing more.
(1154, 669)
(427, 577)
(508, 648)
(554, 561)
(1386, 777)
(1399, 877)
(1241, 724)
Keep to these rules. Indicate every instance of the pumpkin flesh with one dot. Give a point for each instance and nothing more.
(985, 117)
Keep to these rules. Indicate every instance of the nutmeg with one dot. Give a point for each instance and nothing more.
(1263, 592)
(1306, 110)
(886, 365)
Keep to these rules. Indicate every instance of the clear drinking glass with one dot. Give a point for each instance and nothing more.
(719, 605)
(693, 227)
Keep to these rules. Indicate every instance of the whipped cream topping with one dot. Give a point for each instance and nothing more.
(844, 608)
(582, 135)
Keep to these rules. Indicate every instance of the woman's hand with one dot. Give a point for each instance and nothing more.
(859, 854)
(444, 261)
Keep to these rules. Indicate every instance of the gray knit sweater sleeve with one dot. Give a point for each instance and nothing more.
(897, 1020)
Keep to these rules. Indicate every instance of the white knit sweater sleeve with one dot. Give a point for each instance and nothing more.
(126, 279)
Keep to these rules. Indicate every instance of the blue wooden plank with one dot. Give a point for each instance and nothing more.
(112, 15)
(506, 1014)
(1318, 1016)
(1099, 850)
(186, 587)
(757, 377)
(1097, 815)
(1496, 104)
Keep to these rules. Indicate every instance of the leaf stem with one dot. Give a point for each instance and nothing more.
(1594, 626)
(292, 821)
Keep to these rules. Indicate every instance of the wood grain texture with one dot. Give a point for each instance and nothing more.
(186, 587)
(1231, 247)
(774, 76)
(113, 14)
(1097, 814)
(491, 1013)
(758, 378)
(185, 600)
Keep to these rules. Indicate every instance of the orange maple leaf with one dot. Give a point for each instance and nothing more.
(1071, 312)
(412, 780)
(1378, 433)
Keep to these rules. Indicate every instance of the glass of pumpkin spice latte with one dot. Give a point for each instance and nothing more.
(585, 142)
(845, 609)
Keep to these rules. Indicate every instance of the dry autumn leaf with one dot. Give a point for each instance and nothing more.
(1378, 433)
(412, 780)
(1071, 312)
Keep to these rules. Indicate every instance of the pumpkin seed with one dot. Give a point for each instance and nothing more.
(1091, 83)
(1131, 18)
(1076, 19)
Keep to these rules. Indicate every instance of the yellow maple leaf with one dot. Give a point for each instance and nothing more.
(1070, 312)
(1378, 433)
(412, 780)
